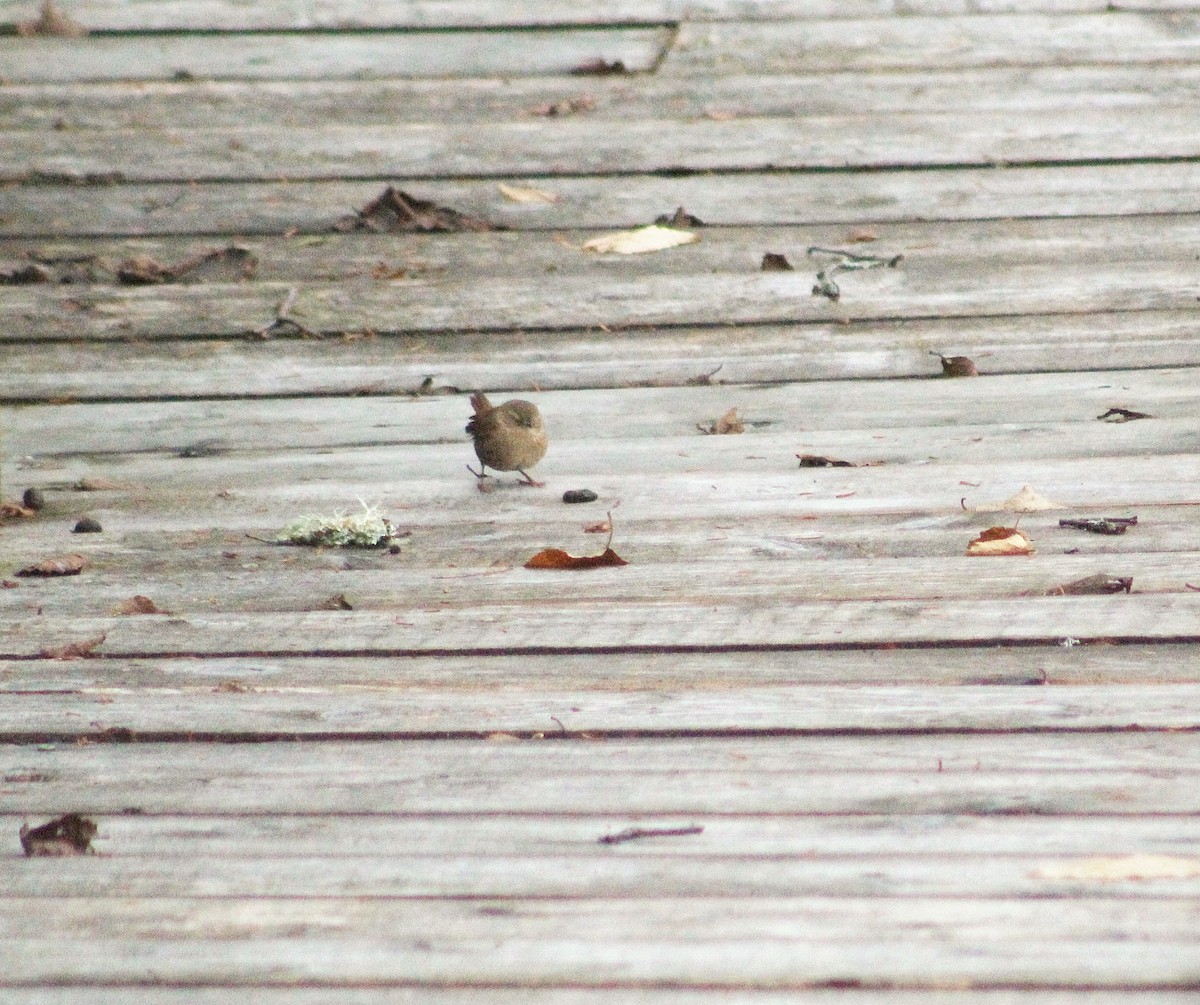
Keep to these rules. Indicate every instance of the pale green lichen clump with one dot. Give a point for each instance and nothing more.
(358, 530)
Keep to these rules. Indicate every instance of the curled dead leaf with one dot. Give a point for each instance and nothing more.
(16, 510)
(680, 218)
(1100, 583)
(820, 461)
(956, 366)
(556, 558)
(772, 261)
(138, 604)
(1001, 541)
(640, 241)
(730, 422)
(62, 565)
(394, 211)
(70, 834)
(1123, 415)
(73, 650)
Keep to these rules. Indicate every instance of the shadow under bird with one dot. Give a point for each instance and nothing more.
(508, 437)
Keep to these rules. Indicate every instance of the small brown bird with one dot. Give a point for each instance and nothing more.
(508, 437)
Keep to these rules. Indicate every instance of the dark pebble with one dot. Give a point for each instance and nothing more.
(33, 499)
(86, 525)
(579, 496)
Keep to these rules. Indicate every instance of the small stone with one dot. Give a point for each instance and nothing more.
(579, 496)
(87, 525)
(34, 499)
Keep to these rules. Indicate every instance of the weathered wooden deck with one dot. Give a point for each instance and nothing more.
(903, 775)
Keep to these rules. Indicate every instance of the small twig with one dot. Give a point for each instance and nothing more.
(283, 318)
(558, 722)
(637, 833)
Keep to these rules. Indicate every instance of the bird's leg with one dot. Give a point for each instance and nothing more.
(481, 473)
(530, 482)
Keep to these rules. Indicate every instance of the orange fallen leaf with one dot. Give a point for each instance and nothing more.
(603, 527)
(138, 604)
(556, 558)
(73, 650)
(1001, 541)
(728, 423)
(15, 509)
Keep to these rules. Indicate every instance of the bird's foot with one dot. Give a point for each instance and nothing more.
(484, 481)
(530, 482)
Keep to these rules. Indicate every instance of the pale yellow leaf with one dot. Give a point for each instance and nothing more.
(638, 242)
(515, 193)
(1111, 870)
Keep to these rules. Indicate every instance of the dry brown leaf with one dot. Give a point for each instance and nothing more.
(567, 106)
(1100, 583)
(1001, 541)
(679, 219)
(599, 67)
(820, 461)
(556, 558)
(640, 241)
(138, 604)
(394, 211)
(730, 422)
(16, 510)
(515, 193)
(51, 22)
(70, 834)
(1123, 415)
(861, 235)
(61, 565)
(603, 527)
(773, 261)
(956, 366)
(1110, 870)
(73, 650)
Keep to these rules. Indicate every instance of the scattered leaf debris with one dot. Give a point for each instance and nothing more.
(138, 604)
(357, 530)
(1123, 415)
(956, 366)
(845, 261)
(572, 496)
(680, 218)
(772, 261)
(337, 602)
(51, 22)
(565, 106)
(15, 510)
(62, 565)
(637, 833)
(1112, 525)
(33, 499)
(517, 193)
(640, 241)
(1100, 583)
(1001, 541)
(74, 650)
(26, 275)
(87, 525)
(228, 264)
(599, 67)
(397, 212)
(70, 834)
(231, 686)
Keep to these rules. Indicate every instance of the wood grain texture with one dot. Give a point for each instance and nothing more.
(747, 198)
(571, 147)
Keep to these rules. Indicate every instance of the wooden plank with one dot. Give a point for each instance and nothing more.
(376, 367)
(552, 148)
(584, 871)
(914, 943)
(946, 42)
(989, 666)
(222, 15)
(298, 104)
(353, 711)
(132, 839)
(610, 300)
(1123, 773)
(264, 55)
(598, 625)
(747, 198)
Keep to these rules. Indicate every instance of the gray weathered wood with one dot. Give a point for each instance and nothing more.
(356, 711)
(838, 199)
(890, 43)
(1123, 773)
(344, 54)
(537, 362)
(571, 147)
